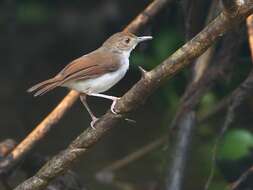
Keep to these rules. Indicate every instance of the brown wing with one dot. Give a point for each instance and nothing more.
(88, 66)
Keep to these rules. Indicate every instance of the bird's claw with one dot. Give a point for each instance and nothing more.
(93, 122)
(113, 105)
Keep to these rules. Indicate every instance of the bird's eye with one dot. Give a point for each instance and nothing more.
(127, 40)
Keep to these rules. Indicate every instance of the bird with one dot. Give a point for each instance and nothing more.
(95, 72)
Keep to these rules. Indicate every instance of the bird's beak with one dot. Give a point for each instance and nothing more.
(144, 38)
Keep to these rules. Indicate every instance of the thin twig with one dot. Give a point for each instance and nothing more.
(146, 16)
(180, 151)
(192, 21)
(242, 178)
(47, 124)
(135, 97)
(224, 128)
(244, 91)
(134, 156)
(220, 107)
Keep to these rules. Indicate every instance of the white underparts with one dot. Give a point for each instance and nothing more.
(102, 83)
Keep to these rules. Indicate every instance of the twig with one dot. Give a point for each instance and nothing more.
(146, 16)
(193, 22)
(236, 99)
(135, 96)
(119, 164)
(6, 147)
(46, 125)
(221, 106)
(232, 59)
(204, 60)
(180, 151)
(250, 33)
(186, 120)
(225, 101)
(242, 178)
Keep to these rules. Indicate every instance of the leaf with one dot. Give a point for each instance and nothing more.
(235, 145)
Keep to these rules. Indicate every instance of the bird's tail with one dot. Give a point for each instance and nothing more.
(43, 87)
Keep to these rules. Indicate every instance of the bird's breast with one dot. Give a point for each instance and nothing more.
(103, 82)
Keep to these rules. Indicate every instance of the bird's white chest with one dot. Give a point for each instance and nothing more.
(102, 83)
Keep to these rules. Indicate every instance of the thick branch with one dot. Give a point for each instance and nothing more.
(135, 96)
(46, 125)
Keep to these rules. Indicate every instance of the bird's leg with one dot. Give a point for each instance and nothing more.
(113, 98)
(93, 117)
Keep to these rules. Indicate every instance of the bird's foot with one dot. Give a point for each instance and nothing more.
(93, 122)
(113, 105)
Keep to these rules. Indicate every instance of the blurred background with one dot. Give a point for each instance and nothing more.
(38, 38)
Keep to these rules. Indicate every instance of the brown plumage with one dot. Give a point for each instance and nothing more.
(88, 66)
(97, 71)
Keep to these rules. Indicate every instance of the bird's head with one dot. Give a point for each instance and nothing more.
(124, 42)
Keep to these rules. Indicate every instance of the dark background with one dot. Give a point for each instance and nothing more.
(38, 38)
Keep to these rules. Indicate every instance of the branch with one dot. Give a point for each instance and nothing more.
(192, 21)
(195, 91)
(68, 181)
(146, 16)
(231, 6)
(192, 96)
(223, 62)
(186, 121)
(235, 100)
(31, 164)
(135, 97)
(179, 152)
(244, 91)
(47, 124)
(239, 95)
(222, 105)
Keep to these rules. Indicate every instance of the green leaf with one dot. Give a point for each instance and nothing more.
(235, 145)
